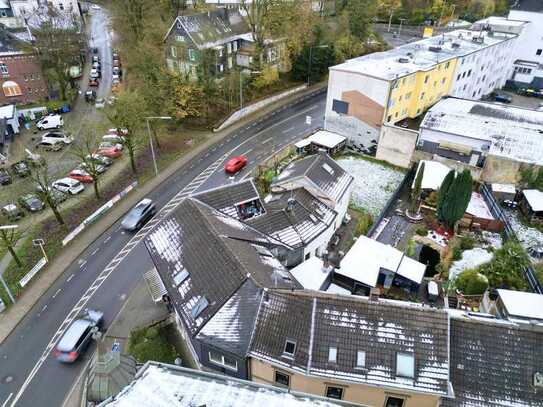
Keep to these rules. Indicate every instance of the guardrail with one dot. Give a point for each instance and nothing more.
(509, 233)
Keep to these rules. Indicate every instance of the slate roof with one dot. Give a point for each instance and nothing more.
(226, 197)
(317, 321)
(493, 363)
(204, 257)
(528, 5)
(213, 28)
(319, 171)
(8, 44)
(298, 226)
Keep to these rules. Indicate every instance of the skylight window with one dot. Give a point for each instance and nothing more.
(313, 218)
(328, 169)
(180, 277)
(360, 359)
(332, 354)
(199, 307)
(290, 348)
(405, 365)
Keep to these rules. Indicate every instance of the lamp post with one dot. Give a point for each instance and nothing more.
(390, 20)
(4, 237)
(310, 60)
(39, 243)
(151, 139)
(400, 29)
(241, 86)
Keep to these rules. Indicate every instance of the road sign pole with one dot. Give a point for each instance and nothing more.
(11, 297)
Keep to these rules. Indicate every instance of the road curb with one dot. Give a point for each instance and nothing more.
(11, 318)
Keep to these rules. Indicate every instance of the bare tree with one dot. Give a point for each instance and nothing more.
(40, 175)
(257, 11)
(8, 240)
(83, 151)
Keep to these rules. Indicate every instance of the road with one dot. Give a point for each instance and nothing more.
(109, 269)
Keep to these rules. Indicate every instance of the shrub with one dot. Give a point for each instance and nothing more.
(506, 270)
(150, 344)
(471, 282)
(467, 243)
(421, 231)
(457, 253)
(431, 199)
(364, 223)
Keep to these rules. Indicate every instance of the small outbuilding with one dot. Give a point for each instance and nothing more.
(504, 192)
(322, 139)
(9, 113)
(531, 204)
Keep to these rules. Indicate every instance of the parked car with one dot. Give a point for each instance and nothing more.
(69, 186)
(116, 82)
(100, 159)
(95, 73)
(94, 82)
(117, 71)
(235, 164)
(90, 96)
(113, 139)
(52, 121)
(100, 103)
(78, 336)
(536, 251)
(81, 175)
(97, 66)
(21, 169)
(110, 152)
(99, 168)
(57, 136)
(95, 58)
(116, 78)
(12, 212)
(109, 144)
(139, 214)
(118, 132)
(116, 56)
(503, 98)
(31, 203)
(5, 177)
(50, 145)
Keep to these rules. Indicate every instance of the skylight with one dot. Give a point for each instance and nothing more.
(360, 358)
(328, 169)
(180, 277)
(332, 354)
(313, 218)
(198, 308)
(290, 348)
(405, 365)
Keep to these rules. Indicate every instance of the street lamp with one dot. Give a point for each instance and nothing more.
(400, 29)
(241, 86)
(151, 139)
(39, 243)
(310, 58)
(2, 231)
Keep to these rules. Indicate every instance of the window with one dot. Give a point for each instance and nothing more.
(332, 354)
(290, 347)
(426, 79)
(224, 361)
(230, 63)
(394, 402)
(229, 48)
(307, 256)
(469, 72)
(443, 81)
(192, 55)
(389, 118)
(458, 77)
(360, 359)
(400, 98)
(464, 75)
(339, 106)
(11, 88)
(4, 69)
(334, 392)
(328, 169)
(173, 52)
(235, 46)
(396, 115)
(447, 65)
(282, 379)
(199, 307)
(538, 52)
(180, 38)
(220, 52)
(408, 96)
(405, 364)
(422, 96)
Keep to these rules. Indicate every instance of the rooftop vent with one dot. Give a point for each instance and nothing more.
(434, 48)
(290, 204)
(478, 40)
(455, 45)
(403, 60)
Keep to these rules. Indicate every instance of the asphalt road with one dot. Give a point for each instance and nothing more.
(109, 269)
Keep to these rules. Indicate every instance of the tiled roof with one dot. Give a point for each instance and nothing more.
(318, 321)
(493, 363)
(321, 172)
(204, 256)
(225, 198)
(306, 219)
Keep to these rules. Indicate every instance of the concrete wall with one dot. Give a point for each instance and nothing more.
(396, 145)
(476, 172)
(353, 392)
(501, 170)
(440, 137)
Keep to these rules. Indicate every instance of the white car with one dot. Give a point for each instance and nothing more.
(108, 144)
(94, 74)
(95, 7)
(57, 136)
(100, 103)
(112, 138)
(52, 121)
(69, 186)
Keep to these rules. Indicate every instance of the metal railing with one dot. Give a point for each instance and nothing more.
(509, 233)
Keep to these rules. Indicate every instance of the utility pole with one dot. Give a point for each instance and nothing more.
(151, 139)
(390, 20)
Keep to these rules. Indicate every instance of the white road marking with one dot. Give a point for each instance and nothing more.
(57, 292)
(69, 278)
(82, 264)
(7, 400)
(95, 251)
(247, 152)
(107, 239)
(268, 139)
(287, 130)
(44, 308)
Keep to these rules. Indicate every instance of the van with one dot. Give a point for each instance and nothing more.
(51, 121)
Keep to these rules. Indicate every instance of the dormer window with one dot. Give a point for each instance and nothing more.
(405, 365)
(332, 354)
(290, 348)
(360, 359)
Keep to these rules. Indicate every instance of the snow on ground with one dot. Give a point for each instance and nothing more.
(374, 183)
(470, 259)
(528, 236)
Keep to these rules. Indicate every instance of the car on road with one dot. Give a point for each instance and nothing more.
(12, 212)
(100, 159)
(81, 175)
(78, 336)
(51, 121)
(57, 136)
(21, 169)
(99, 168)
(502, 98)
(68, 185)
(90, 96)
(94, 82)
(50, 145)
(31, 203)
(97, 66)
(5, 177)
(235, 164)
(138, 215)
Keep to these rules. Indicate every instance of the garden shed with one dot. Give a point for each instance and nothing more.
(531, 204)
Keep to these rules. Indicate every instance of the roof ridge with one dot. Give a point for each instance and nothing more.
(225, 186)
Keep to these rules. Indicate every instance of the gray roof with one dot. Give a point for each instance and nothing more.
(319, 171)
(298, 226)
(493, 363)
(204, 257)
(109, 373)
(318, 321)
(213, 28)
(227, 197)
(8, 42)
(528, 5)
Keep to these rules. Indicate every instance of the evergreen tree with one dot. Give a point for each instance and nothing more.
(457, 198)
(442, 193)
(415, 193)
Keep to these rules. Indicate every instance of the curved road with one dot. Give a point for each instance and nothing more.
(109, 269)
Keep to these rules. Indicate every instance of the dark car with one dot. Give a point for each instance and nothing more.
(90, 96)
(503, 98)
(235, 164)
(5, 177)
(78, 336)
(31, 203)
(12, 212)
(21, 169)
(94, 82)
(139, 214)
(101, 159)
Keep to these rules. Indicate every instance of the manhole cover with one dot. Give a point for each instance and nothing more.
(8, 379)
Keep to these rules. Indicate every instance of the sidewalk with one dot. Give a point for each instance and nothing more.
(10, 318)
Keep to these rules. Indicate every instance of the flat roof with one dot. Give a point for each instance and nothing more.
(434, 173)
(311, 274)
(418, 56)
(478, 208)
(326, 138)
(505, 188)
(522, 304)
(7, 112)
(494, 20)
(534, 198)
(513, 132)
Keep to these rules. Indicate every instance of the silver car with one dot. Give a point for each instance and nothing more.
(139, 214)
(78, 336)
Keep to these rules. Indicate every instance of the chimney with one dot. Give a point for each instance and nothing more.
(374, 294)
(290, 204)
(325, 261)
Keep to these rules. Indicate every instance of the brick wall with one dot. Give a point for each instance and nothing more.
(25, 71)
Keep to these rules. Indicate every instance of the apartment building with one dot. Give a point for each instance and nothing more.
(387, 87)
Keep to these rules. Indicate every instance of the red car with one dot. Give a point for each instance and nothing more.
(81, 176)
(110, 152)
(235, 164)
(94, 82)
